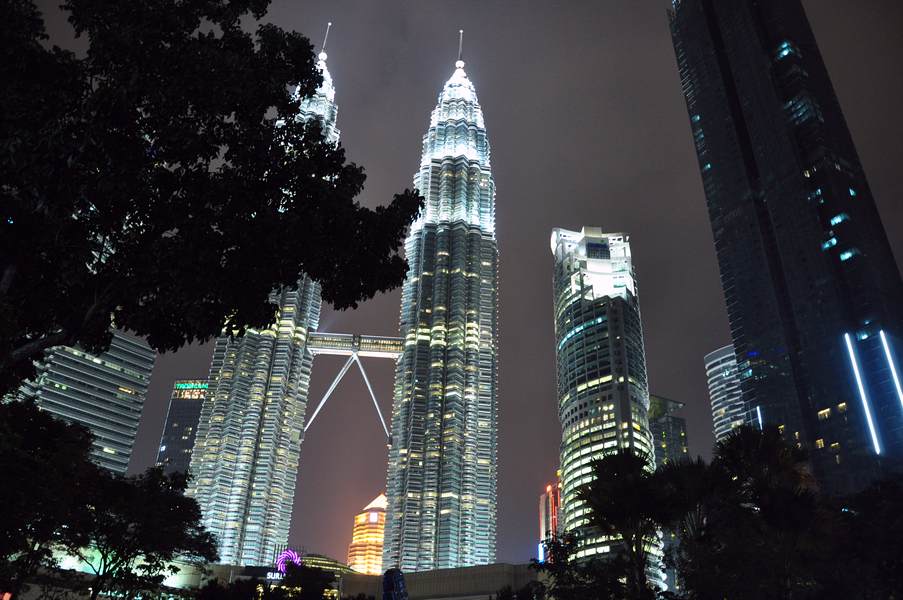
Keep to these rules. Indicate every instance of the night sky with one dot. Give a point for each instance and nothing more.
(588, 127)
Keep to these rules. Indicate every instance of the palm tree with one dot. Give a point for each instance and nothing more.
(625, 502)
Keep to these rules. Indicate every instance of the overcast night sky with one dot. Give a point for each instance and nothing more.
(588, 127)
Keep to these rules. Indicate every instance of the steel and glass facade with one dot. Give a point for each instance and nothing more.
(365, 553)
(181, 425)
(603, 396)
(104, 393)
(248, 446)
(723, 381)
(442, 471)
(813, 293)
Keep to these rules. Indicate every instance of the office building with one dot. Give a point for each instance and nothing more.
(813, 292)
(669, 430)
(365, 554)
(248, 445)
(442, 471)
(104, 393)
(603, 396)
(724, 391)
(549, 514)
(181, 426)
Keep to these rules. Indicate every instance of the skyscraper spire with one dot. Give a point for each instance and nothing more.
(442, 470)
(325, 38)
(460, 49)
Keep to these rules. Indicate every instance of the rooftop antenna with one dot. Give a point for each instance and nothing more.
(460, 63)
(322, 56)
(326, 37)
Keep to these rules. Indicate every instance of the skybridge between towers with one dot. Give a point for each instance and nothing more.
(354, 346)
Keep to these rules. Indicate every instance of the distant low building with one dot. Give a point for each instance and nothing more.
(464, 583)
(365, 553)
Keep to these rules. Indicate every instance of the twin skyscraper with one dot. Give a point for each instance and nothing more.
(442, 466)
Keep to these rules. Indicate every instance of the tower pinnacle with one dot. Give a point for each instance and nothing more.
(459, 64)
(322, 56)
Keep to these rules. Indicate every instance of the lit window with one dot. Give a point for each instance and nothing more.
(838, 219)
(842, 407)
(852, 193)
(695, 118)
(824, 414)
(848, 254)
(819, 443)
(829, 244)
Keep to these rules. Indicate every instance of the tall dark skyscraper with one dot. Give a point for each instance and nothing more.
(812, 289)
(181, 425)
(668, 429)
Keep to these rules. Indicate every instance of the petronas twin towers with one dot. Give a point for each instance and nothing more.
(442, 467)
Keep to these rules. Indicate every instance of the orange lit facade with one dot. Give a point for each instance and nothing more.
(365, 554)
(549, 509)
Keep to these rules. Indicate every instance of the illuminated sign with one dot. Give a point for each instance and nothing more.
(286, 556)
(191, 385)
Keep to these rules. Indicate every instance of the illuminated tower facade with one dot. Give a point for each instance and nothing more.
(365, 553)
(603, 397)
(104, 393)
(441, 476)
(245, 460)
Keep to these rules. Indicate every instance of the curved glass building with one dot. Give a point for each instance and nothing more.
(603, 397)
(724, 391)
(441, 476)
(248, 445)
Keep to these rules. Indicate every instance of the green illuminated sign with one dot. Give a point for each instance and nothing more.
(191, 385)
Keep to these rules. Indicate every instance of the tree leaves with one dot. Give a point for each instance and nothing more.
(163, 183)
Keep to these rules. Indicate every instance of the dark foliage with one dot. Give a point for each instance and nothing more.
(751, 525)
(46, 478)
(138, 526)
(626, 502)
(568, 578)
(162, 180)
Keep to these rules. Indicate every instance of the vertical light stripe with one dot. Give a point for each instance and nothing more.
(890, 363)
(865, 402)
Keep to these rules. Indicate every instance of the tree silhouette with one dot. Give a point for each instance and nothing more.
(46, 476)
(161, 182)
(624, 502)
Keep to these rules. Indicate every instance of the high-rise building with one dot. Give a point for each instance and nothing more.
(603, 397)
(248, 445)
(724, 391)
(441, 476)
(181, 425)
(549, 514)
(104, 393)
(669, 430)
(365, 553)
(813, 292)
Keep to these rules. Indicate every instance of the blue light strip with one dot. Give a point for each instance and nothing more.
(890, 363)
(865, 402)
(759, 415)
